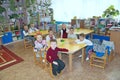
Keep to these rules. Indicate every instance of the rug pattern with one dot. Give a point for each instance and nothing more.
(8, 58)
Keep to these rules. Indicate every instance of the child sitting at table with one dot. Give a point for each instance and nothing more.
(89, 44)
(64, 31)
(71, 34)
(25, 30)
(27, 36)
(40, 45)
(50, 36)
(32, 28)
(52, 57)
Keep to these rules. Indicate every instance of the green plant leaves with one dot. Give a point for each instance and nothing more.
(110, 11)
(14, 16)
(2, 9)
(12, 5)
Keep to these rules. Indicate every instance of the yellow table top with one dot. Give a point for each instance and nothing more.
(85, 31)
(43, 32)
(69, 44)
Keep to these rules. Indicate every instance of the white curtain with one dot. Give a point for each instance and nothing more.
(65, 10)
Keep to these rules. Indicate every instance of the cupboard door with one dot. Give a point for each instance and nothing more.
(115, 37)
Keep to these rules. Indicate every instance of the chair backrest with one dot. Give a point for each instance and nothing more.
(99, 48)
(95, 41)
(109, 44)
(100, 37)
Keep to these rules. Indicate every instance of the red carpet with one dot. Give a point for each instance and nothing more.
(8, 58)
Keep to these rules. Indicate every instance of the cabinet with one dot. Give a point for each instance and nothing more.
(79, 23)
(7, 37)
(82, 24)
(115, 37)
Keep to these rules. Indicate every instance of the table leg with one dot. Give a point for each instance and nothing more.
(83, 54)
(60, 56)
(70, 62)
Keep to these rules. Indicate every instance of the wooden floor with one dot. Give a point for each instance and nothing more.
(27, 70)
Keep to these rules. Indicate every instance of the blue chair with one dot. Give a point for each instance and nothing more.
(102, 53)
(100, 37)
(99, 59)
(110, 47)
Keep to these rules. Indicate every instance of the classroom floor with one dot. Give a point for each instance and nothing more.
(27, 70)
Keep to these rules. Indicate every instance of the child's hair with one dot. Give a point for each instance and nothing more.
(63, 24)
(25, 25)
(50, 30)
(82, 35)
(38, 35)
(45, 22)
(71, 28)
(53, 40)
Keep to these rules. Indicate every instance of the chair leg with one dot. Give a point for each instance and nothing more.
(51, 74)
(104, 64)
(48, 68)
(111, 56)
(98, 62)
(91, 61)
(27, 44)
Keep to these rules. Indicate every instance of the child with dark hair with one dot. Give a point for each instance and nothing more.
(27, 36)
(57, 64)
(89, 44)
(32, 28)
(71, 34)
(50, 36)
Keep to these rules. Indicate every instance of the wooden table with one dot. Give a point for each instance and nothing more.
(72, 47)
(85, 31)
(43, 32)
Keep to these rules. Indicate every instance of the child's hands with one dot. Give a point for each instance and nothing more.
(54, 62)
(45, 47)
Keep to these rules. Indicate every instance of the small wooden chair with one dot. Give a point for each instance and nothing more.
(111, 56)
(98, 61)
(43, 63)
(48, 67)
(37, 62)
(40, 60)
(110, 45)
(27, 43)
(107, 48)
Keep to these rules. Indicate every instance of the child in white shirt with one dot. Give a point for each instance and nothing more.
(50, 36)
(32, 28)
(27, 36)
(89, 44)
(71, 34)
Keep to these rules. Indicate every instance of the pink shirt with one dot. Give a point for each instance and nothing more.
(39, 45)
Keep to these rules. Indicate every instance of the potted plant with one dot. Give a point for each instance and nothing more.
(110, 12)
